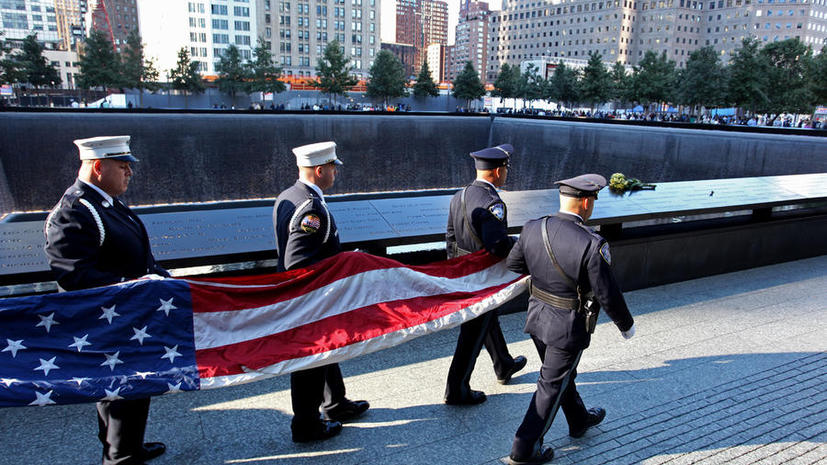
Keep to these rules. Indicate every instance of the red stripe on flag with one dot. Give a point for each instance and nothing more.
(334, 332)
(279, 287)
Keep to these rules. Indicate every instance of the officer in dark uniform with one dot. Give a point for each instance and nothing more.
(477, 220)
(305, 234)
(93, 239)
(571, 278)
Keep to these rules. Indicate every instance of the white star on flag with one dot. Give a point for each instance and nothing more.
(173, 388)
(80, 342)
(112, 360)
(109, 313)
(14, 346)
(80, 380)
(47, 321)
(43, 399)
(112, 395)
(47, 365)
(9, 381)
(166, 306)
(171, 353)
(144, 374)
(140, 335)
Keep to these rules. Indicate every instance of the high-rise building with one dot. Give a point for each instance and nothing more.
(471, 38)
(436, 62)
(71, 24)
(623, 30)
(298, 31)
(115, 18)
(421, 23)
(21, 18)
(205, 28)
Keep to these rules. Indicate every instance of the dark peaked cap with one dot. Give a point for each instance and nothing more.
(492, 157)
(585, 185)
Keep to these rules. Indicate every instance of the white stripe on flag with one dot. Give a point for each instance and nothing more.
(384, 341)
(216, 329)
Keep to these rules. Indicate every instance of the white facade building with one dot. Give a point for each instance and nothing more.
(205, 28)
(21, 18)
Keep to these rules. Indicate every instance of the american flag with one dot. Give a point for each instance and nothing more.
(150, 337)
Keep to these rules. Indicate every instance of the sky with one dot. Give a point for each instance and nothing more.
(388, 32)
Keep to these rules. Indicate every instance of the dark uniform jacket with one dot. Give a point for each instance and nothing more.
(486, 214)
(91, 242)
(584, 256)
(305, 230)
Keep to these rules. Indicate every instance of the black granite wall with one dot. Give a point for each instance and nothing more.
(205, 157)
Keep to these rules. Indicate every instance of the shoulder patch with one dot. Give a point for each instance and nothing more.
(498, 210)
(310, 223)
(604, 252)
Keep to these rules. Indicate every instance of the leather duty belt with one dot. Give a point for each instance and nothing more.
(553, 300)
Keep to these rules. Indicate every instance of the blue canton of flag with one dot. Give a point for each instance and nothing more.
(127, 341)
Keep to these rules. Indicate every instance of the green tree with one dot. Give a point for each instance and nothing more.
(595, 86)
(136, 71)
(530, 85)
(621, 83)
(467, 85)
(387, 77)
(425, 85)
(233, 73)
(704, 80)
(748, 76)
(334, 71)
(507, 84)
(818, 69)
(10, 69)
(99, 65)
(36, 68)
(185, 75)
(264, 74)
(654, 78)
(789, 61)
(563, 86)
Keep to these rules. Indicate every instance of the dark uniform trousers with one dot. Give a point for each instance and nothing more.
(305, 234)
(482, 207)
(91, 242)
(560, 334)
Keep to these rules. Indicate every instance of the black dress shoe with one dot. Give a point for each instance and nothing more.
(347, 410)
(596, 415)
(317, 432)
(545, 454)
(153, 450)
(472, 398)
(519, 364)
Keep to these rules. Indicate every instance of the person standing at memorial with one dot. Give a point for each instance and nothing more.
(477, 220)
(571, 279)
(305, 234)
(93, 239)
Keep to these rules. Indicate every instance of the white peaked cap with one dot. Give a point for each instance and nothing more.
(320, 153)
(106, 147)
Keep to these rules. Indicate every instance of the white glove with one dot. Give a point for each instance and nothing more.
(151, 276)
(629, 332)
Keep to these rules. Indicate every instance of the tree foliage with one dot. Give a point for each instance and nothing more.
(654, 78)
(387, 77)
(467, 85)
(595, 86)
(264, 74)
(788, 61)
(704, 80)
(818, 84)
(99, 64)
(507, 84)
(748, 76)
(185, 75)
(531, 84)
(425, 85)
(563, 86)
(36, 68)
(137, 72)
(334, 70)
(232, 72)
(621, 83)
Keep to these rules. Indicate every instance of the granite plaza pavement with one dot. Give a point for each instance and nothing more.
(724, 369)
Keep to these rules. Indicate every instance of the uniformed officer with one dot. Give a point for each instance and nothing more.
(571, 278)
(93, 239)
(305, 234)
(477, 220)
